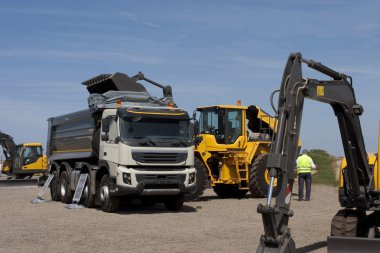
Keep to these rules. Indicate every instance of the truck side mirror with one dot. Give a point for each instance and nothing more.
(196, 127)
(105, 137)
(197, 140)
(106, 125)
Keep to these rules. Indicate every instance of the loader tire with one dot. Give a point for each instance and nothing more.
(258, 178)
(54, 193)
(200, 181)
(229, 191)
(108, 203)
(65, 192)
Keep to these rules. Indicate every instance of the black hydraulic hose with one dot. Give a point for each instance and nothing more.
(271, 101)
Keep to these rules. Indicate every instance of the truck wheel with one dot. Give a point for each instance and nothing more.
(200, 182)
(348, 222)
(65, 192)
(259, 178)
(108, 203)
(174, 203)
(229, 191)
(88, 199)
(54, 193)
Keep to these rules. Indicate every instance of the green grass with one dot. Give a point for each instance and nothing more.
(325, 167)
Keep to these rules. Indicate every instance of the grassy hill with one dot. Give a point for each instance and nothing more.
(325, 167)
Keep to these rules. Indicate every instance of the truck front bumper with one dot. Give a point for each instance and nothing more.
(150, 182)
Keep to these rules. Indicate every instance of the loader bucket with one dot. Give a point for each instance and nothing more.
(341, 244)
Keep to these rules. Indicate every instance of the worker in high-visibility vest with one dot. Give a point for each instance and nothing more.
(304, 166)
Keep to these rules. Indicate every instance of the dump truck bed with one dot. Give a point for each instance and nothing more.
(70, 136)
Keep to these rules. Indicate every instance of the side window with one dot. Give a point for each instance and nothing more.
(234, 126)
(113, 133)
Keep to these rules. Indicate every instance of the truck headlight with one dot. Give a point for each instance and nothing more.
(127, 178)
(191, 178)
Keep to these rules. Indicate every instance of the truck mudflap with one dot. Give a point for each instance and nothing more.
(345, 244)
(19, 182)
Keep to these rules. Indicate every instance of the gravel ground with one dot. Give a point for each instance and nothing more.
(208, 225)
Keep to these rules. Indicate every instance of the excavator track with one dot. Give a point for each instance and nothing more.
(18, 182)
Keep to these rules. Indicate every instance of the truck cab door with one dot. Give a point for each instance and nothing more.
(109, 149)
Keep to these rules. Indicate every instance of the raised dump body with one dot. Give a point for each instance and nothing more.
(71, 136)
(128, 142)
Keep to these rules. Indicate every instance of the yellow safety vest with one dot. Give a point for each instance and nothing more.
(304, 164)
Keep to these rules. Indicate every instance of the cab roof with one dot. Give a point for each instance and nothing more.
(240, 107)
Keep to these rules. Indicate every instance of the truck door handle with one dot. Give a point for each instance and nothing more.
(105, 153)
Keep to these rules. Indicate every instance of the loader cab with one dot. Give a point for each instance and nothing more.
(225, 123)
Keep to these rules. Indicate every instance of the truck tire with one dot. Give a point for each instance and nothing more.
(229, 191)
(200, 182)
(54, 193)
(88, 199)
(348, 222)
(174, 203)
(258, 178)
(65, 192)
(108, 203)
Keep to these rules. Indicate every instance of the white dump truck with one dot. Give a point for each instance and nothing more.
(128, 142)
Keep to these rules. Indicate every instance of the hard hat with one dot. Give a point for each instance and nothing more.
(305, 151)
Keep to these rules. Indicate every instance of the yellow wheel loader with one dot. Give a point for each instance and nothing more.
(23, 160)
(231, 144)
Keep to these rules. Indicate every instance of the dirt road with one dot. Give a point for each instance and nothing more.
(209, 225)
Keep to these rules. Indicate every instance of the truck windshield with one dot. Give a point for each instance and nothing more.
(140, 131)
(224, 124)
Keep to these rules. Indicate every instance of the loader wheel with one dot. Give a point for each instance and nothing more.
(259, 178)
(229, 191)
(88, 198)
(65, 192)
(54, 193)
(200, 181)
(108, 203)
(174, 203)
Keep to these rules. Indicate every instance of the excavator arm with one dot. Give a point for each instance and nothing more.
(9, 147)
(339, 93)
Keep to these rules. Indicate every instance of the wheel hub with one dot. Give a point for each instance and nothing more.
(104, 193)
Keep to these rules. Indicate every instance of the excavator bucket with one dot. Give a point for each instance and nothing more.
(344, 244)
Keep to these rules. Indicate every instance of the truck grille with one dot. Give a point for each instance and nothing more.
(145, 177)
(144, 157)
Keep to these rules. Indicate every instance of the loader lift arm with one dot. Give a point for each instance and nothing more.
(337, 92)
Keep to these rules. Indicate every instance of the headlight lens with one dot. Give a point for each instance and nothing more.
(192, 178)
(127, 178)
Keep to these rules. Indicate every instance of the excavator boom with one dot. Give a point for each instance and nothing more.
(339, 93)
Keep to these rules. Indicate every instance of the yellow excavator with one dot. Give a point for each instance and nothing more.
(354, 228)
(23, 160)
(231, 146)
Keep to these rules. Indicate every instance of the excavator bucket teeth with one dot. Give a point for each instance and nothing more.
(18, 182)
(341, 244)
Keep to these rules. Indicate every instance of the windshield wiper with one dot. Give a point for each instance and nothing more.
(179, 142)
(146, 142)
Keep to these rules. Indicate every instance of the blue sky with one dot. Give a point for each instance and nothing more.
(211, 52)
